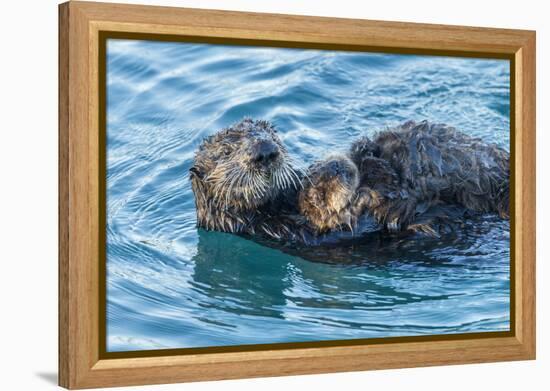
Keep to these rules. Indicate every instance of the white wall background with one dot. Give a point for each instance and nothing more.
(28, 214)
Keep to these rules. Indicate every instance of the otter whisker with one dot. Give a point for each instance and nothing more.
(299, 170)
(222, 189)
(231, 188)
(283, 184)
(255, 184)
(293, 174)
(278, 179)
(262, 185)
(284, 178)
(226, 185)
(289, 177)
(220, 186)
(237, 183)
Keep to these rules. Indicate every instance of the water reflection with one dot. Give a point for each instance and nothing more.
(244, 278)
(240, 278)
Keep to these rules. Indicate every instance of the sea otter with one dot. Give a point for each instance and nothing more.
(244, 182)
(328, 195)
(413, 178)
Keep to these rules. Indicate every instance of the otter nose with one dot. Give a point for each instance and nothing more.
(265, 151)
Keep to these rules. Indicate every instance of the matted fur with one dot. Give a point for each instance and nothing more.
(328, 194)
(415, 177)
(414, 167)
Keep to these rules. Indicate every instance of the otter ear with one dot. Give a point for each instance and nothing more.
(194, 172)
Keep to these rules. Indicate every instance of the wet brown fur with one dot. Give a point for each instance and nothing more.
(235, 194)
(328, 194)
(414, 167)
(409, 178)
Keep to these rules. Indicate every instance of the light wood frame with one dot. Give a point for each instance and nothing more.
(80, 24)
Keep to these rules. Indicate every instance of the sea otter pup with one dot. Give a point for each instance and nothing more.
(412, 178)
(328, 193)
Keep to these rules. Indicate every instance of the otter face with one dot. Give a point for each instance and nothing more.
(326, 198)
(242, 167)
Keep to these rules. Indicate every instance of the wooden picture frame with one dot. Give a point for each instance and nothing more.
(82, 363)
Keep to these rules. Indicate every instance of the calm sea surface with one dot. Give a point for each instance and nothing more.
(170, 285)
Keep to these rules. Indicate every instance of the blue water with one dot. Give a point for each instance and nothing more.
(170, 285)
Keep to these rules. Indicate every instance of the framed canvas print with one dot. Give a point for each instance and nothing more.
(248, 195)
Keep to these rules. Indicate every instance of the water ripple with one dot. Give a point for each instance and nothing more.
(171, 285)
